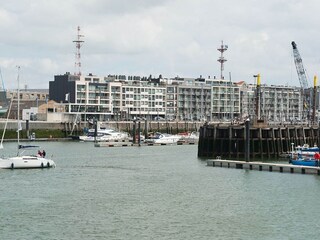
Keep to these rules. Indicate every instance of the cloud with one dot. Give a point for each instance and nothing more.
(133, 34)
(142, 37)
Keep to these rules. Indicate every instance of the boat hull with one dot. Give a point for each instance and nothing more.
(104, 135)
(164, 138)
(305, 162)
(26, 162)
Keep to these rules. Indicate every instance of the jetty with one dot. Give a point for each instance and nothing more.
(262, 166)
(142, 144)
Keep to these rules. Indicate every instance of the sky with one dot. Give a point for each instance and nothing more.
(153, 37)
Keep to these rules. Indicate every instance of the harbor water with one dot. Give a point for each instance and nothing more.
(153, 192)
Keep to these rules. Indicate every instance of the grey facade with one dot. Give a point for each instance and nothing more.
(61, 86)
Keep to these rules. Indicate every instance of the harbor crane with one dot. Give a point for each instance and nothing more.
(305, 91)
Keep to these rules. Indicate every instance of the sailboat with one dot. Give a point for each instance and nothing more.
(21, 160)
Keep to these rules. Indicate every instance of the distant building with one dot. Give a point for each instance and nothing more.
(108, 98)
(30, 99)
(120, 97)
(277, 103)
(225, 99)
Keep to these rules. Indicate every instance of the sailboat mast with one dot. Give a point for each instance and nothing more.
(18, 115)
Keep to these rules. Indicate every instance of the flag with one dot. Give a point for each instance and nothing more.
(19, 126)
(67, 97)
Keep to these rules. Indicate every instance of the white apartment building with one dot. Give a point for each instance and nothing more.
(119, 97)
(108, 98)
(225, 99)
(276, 103)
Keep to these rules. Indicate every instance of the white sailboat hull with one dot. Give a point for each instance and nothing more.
(26, 162)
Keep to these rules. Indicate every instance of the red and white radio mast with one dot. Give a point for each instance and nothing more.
(221, 59)
(77, 63)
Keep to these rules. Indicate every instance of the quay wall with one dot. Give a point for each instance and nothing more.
(229, 141)
(127, 126)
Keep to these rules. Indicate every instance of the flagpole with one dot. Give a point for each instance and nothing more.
(47, 100)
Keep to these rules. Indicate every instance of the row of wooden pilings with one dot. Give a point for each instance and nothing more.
(143, 126)
(230, 141)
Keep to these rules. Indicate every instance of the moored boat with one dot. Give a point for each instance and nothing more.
(164, 138)
(103, 135)
(188, 137)
(305, 156)
(305, 162)
(305, 151)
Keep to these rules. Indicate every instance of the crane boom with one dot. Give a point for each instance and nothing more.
(305, 91)
(299, 66)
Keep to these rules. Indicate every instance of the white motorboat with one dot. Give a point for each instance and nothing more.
(164, 138)
(104, 135)
(188, 137)
(24, 161)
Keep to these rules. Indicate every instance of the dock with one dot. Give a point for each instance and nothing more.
(262, 166)
(113, 144)
(142, 144)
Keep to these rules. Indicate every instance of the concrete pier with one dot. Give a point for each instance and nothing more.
(261, 166)
(229, 141)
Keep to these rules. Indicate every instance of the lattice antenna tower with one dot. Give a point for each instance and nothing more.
(221, 59)
(78, 43)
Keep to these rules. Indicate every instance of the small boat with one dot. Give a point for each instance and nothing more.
(187, 137)
(305, 151)
(103, 135)
(305, 162)
(305, 156)
(24, 161)
(164, 138)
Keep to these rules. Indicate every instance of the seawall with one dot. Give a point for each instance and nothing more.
(127, 126)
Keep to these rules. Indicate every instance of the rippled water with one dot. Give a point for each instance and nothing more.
(158, 192)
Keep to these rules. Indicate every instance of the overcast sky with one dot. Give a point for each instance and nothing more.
(168, 37)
